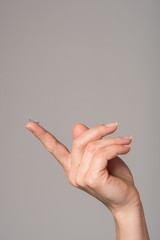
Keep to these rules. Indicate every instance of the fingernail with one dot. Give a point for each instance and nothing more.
(30, 120)
(113, 124)
(127, 145)
(129, 137)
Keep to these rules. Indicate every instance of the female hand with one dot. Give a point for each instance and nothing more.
(93, 164)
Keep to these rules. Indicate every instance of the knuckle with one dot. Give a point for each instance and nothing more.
(112, 151)
(91, 146)
(49, 149)
(109, 152)
(97, 129)
(100, 153)
(71, 180)
(91, 180)
(117, 140)
(80, 181)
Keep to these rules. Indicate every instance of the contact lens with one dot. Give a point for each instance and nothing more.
(33, 121)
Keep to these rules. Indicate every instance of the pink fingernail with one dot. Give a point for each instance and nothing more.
(112, 124)
(127, 146)
(128, 137)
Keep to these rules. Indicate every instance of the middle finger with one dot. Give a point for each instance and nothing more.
(92, 147)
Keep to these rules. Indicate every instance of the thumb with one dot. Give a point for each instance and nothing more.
(78, 129)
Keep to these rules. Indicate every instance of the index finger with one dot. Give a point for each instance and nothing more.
(56, 148)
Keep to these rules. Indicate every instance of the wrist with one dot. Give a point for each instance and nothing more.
(127, 211)
(130, 223)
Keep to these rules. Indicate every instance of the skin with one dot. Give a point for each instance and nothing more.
(94, 167)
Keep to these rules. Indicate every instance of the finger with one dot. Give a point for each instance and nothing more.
(92, 147)
(93, 134)
(79, 144)
(103, 155)
(78, 129)
(57, 149)
(118, 167)
(95, 145)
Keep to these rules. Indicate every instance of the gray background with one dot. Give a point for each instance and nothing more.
(64, 62)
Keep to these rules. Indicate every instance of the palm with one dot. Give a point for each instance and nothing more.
(118, 168)
(117, 187)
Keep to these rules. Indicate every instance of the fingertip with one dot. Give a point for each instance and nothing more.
(31, 125)
(78, 129)
(28, 126)
(76, 125)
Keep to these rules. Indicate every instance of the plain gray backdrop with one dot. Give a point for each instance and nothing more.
(63, 62)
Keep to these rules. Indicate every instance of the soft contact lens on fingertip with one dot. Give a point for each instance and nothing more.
(33, 121)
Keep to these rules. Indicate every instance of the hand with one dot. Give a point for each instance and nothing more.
(93, 164)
